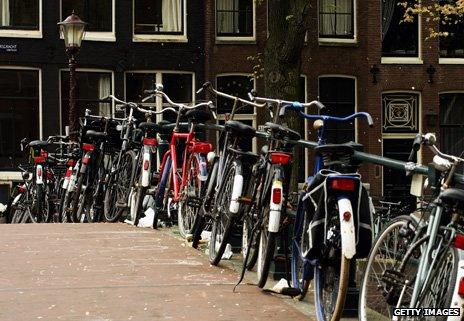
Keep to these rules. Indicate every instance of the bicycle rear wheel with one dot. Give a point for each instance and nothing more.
(166, 176)
(224, 221)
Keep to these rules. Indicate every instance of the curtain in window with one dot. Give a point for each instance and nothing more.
(172, 15)
(344, 19)
(5, 13)
(327, 17)
(388, 8)
(104, 90)
(226, 19)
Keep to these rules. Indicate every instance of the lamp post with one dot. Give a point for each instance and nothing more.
(72, 31)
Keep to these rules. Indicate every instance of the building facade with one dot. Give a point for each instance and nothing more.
(357, 57)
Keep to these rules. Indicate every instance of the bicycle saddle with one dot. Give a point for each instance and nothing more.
(38, 143)
(452, 196)
(335, 149)
(238, 128)
(282, 132)
(150, 126)
(198, 115)
(95, 134)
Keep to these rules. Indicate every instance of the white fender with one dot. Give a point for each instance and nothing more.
(67, 178)
(457, 301)
(275, 208)
(16, 199)
(39, 174)
(347, 231)
(236, 193)
(146, 172)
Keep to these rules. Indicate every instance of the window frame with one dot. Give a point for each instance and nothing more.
(253, 117)
(235, 39)
(356, 136)
(109, 36)
(15, 175)
(88, 70)
(404, 60)
(439, 107)
(21, 33)
(401, 135)
(161, 37)
(339, 40)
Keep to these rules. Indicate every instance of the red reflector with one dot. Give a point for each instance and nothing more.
(50, 175)
(86, 159)
(150, 142)
(276, 195)
(71, 162)
(39, 172)
(146, 164)
(347, 216)
(21, 188)
(459, 241)
(88, 147)
(280, 158)
(343, 184)
(39, 159)
(461, 287)
(68, 173)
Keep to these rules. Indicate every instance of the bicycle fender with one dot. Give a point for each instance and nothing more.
(237, 189)
(276, 201)
(457, 301)
(16, 199)
(347, 230)
(146, 166)
(203, 168)
(39, 174)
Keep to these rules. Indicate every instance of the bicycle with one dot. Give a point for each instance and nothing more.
(415, 261)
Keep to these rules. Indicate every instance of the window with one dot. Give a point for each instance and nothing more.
(452, 46)
(92, 87)
(20, 18)
(234, 18)
(398, 39)
(338, 94)
(237, 85)
(97, 14)
(163, 19)
(19, 113)
(452, 123)
(336, 19)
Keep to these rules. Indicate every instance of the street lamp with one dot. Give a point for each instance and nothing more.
(72, 31)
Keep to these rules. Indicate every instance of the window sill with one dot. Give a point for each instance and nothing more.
(160, 38)
(451, 61)
(235, 40)
(10, 33)
(338, 42)
(402, 60)
(100, 36)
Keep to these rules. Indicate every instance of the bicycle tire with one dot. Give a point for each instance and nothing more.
(186, 214)
(320, 272)
(266, 250)
(247, 229)
(160, 191)
(39, 203)
(222, 224)
(139, 196)
(77, 197)
(379, 252)
(198, 226)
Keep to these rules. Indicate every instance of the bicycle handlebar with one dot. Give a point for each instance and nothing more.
(209, 86)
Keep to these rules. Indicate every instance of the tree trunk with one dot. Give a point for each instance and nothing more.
(287, 25)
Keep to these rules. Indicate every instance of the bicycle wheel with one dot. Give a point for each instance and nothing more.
(40, 203)
(377, 296)
(222, 224)
(161, 190)
(266, 250)
(119, 187)
(89, 206)
(77, 196)
(300, 267)
(186, 214)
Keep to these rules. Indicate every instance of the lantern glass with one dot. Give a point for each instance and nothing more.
(72, 30)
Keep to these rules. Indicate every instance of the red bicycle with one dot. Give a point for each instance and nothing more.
(181, 190)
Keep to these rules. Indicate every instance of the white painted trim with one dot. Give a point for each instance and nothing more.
(401, 60)
(334, 40)
(18, 33)
(226, 39)
(98, 35)
(9, 176)
(40, 91)
(409, 60)
(160, 37)
(451, 61)
(81, 70)
(356, 134)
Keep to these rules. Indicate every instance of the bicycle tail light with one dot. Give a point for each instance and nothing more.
(21, 188)
(88, 147)
(343, 184)
(461, 287)
(280, 158)
(459, 241)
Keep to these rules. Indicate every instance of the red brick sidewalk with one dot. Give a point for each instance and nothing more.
(117, 272)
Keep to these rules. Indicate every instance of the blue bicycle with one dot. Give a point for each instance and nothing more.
(332, 226)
